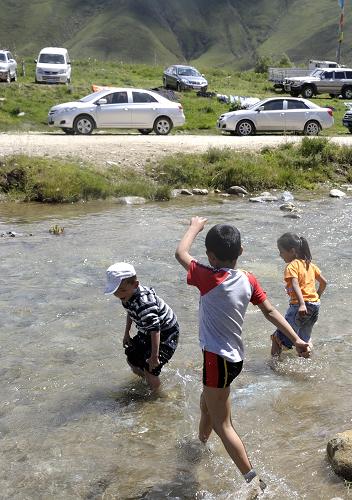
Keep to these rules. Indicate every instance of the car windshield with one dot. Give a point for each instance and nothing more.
(188, 72)
(94, 96)
(52, 59)
(2, 57)
(316, 72)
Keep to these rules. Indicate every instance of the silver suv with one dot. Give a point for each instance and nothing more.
(332, 81)
(8, 66)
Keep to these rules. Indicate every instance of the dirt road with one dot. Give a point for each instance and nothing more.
(132, 150)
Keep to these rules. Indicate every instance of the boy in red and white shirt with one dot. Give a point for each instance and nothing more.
(225, 293)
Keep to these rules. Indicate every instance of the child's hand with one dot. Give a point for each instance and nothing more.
(153, 362)
(126, 341)
(302, 310)
(302, 348)
(198, 223)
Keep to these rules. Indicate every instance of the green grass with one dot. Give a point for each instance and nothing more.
(308, 165)
(201, 113)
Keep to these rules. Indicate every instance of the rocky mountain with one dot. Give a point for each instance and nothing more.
(204, 32)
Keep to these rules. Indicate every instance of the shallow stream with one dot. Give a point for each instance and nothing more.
(76, 423)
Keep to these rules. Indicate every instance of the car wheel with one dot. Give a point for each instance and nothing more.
(312, 128)
(164, 83)
(83, 125)
(347, 93)
(15, 77)
(294, 94)
(68, 131)
(333, 96)
(162, 125)
(350, 130)
(145, 131)
(178, 87)
(308, 92)
(245, 127)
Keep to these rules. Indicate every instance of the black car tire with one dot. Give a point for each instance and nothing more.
(350, 130)
(178, 87)
(347, 92)
(145, 131)
(83, 125)
(164, 83)
(333, 96)
(245, 128)
(15, 77)
(68, 131)
(162, 125)
(312, 128)
(308, 92)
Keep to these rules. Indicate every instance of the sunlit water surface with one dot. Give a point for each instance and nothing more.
(76, 423)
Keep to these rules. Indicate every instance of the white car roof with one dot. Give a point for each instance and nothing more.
(53, 50)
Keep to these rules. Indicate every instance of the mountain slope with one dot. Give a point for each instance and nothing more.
(206, 32)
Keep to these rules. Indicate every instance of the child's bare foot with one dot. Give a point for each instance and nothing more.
(276, 347)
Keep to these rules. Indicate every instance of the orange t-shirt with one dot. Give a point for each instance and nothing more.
(306, 280)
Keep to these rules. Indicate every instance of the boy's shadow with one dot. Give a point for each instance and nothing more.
(184, 484)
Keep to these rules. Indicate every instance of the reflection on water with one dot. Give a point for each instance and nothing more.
(75, 423)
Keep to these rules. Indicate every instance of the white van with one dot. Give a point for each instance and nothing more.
(53, 66)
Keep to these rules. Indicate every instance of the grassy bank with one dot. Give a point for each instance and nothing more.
(34, 100)
(309, 165)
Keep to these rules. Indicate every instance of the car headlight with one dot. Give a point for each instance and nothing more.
(2, 68)
(69, 109)
(40, 71)
(183, 80)
(62, 71)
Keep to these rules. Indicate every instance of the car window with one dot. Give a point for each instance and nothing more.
(117, 98)
(296, 105)
(188, 72)
(51, 59)
(143, 97)
(349, 74)
(327, 75)
(273, 105)
(9, 55)
(339, 75)
(2, 57)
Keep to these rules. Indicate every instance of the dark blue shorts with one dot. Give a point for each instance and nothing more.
(140, 350)
(219, 372)
(302, 325)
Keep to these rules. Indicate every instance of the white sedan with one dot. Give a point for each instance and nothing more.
(277, 114)
(124, 108)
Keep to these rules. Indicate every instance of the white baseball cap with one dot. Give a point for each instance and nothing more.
(115, 274)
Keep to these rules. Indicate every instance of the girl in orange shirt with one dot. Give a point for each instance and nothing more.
(300, 276)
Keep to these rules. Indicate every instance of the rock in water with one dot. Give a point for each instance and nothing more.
(339, 450)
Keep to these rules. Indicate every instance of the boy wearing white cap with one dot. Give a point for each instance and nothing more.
(156, 323)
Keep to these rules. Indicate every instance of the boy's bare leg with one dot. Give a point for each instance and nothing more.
(276, 347)
(153, 380)
(205, 426)
(219, 408)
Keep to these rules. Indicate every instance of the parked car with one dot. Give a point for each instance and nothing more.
(144, 110)
(53, 66)
(8, 66)
(347, 117)
(278, 114)
(330, 81)
(180, 77)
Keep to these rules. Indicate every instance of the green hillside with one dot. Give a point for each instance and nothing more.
(205, 32)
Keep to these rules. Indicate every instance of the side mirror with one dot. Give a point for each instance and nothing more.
(102, 101)
(68, 62)
(35, 60)
(203, 75)
(261, 108)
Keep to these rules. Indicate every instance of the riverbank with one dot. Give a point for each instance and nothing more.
(298, 164)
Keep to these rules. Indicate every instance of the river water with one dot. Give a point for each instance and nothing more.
(75, 423)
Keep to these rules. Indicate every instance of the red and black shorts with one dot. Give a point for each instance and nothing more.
(218, 371)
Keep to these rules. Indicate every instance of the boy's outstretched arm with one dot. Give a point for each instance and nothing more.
(322, 285)
(182, 251)
(279, 321)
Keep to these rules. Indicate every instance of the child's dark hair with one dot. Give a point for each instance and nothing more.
(224, 241)
(291, 240)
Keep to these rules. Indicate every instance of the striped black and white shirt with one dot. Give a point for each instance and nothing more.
(151, 314)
